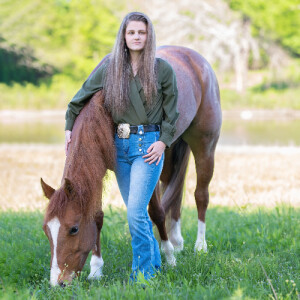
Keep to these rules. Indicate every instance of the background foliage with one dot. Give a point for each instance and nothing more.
(278, 20)
(48, 48)
(68, 35)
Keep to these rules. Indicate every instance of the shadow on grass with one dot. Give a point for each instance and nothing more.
(238, 241)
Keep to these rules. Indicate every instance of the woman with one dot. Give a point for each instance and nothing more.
(141, 94)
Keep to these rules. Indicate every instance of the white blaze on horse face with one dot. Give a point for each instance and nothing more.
(200, 242)
(175, 235)
(54, 225)
(96, 267)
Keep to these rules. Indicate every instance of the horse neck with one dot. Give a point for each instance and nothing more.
(93, 150)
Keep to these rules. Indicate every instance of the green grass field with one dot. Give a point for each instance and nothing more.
(266, 93)
(250, 252)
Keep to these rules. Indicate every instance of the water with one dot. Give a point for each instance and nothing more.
(234, 132)
(266, 132)
(32, 132)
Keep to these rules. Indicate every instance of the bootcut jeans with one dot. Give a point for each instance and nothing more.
(137, 180)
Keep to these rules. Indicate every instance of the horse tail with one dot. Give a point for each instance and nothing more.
(173, 190)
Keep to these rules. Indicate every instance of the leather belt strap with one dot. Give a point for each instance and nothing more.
(124, 129)
(147, 128)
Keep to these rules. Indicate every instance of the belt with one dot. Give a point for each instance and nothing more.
(124, 130)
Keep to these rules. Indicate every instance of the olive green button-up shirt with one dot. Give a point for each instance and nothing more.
(163, 111)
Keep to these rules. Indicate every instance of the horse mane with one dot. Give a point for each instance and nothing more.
(90, 154)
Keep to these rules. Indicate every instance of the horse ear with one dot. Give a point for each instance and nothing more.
(48, 190)
(68, 187)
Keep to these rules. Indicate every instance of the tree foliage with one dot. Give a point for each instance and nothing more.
(279, 20)
(19, 65)
(71, 36)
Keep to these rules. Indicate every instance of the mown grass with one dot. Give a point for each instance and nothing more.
(254, 98)
(59, 93)
(56, 92)
(241, 243)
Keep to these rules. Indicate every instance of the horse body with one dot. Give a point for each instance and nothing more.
(198, 130)
(198, 91)
(74, 215)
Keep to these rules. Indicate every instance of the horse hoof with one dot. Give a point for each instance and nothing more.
(175, 236)
(95, 276)
(201, 246)
(171, 261)
(96, 268)
(177, 242)
(168, 249)
(178, 246)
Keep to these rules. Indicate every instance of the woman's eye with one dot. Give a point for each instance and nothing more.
(74, 230)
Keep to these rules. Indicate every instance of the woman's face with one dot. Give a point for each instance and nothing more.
(136, 35)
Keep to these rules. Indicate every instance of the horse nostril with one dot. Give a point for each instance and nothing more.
(62, 284)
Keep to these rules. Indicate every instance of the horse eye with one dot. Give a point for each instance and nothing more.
(74, 230)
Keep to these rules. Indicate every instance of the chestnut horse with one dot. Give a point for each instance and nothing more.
(74, 216)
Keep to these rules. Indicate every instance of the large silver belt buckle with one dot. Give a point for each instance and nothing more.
(123, 131)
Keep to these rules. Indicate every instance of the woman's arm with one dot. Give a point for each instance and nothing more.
(170, 95)
(168, 129)
(92, 85)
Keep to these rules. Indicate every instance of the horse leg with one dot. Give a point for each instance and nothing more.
(174, 177)
(204, 154)
(157, 215)
(97, 260)
(175, 229)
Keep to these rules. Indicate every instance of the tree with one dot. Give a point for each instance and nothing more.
(72, 35)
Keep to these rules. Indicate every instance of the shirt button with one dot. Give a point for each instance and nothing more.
(140, 145)
(141, 132)
(140, 139)
(140, 150)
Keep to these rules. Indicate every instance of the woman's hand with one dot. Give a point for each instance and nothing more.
(155, 151)
(68, 134)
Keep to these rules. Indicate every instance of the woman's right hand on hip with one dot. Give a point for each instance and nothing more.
(68, 134)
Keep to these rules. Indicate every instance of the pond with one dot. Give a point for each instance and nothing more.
(234, 132)
(262, 132)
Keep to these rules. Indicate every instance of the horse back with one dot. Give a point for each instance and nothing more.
(198, 90)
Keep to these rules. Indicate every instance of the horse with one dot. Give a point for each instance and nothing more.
(74, 216)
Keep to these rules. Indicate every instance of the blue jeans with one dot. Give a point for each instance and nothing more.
(137, 180)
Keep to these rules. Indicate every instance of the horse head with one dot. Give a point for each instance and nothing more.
(71, 234)
(74, 216)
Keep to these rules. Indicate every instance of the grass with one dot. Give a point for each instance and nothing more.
(271, 98)
(266, 89)
(264, 93)
(241, 245)
(57, 95)
(252, 226)
(51, 94)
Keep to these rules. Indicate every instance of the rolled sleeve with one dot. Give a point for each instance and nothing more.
(92, 85)
(170, 112)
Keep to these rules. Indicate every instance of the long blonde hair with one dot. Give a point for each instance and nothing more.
(119, 72)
